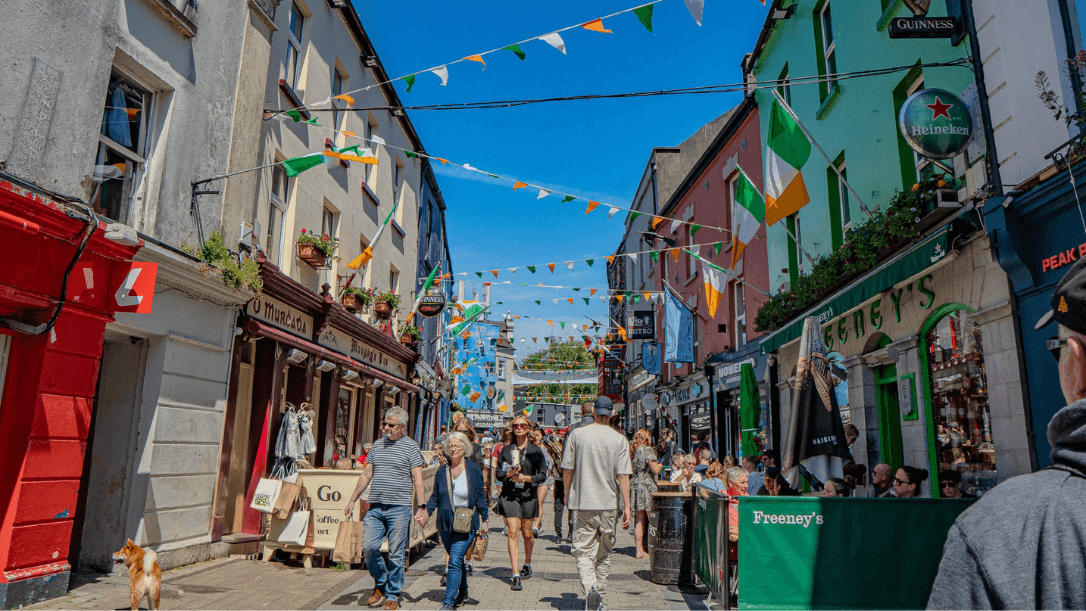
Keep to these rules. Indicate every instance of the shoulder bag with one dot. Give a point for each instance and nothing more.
(462, 516)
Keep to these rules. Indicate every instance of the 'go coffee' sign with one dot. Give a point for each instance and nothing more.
(936, 123)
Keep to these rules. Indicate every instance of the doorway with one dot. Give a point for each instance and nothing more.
(890, 445)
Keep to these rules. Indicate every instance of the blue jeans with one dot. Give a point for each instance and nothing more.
(456, 583)
(392, 521)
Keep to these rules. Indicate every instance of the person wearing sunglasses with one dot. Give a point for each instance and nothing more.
(522, 468)
(907, 482)
(1021, 545)
(393, 473)
(950, 485)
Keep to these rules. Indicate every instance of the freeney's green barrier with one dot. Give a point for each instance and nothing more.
(841, 553)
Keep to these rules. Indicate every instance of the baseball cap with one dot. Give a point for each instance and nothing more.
(603, 406)
(1069, 301)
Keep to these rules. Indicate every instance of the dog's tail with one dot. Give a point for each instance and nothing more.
(149, 559)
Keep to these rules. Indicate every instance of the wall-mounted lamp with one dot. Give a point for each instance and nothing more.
(349, 376)
(783, 13)
(325, 366)
(375, 383)
(296, 356)
(881, 358)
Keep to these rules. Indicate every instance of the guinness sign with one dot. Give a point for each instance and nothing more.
(922, 26)
(432, 304)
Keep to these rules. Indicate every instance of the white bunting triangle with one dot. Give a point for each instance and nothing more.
(675, 225)
(554, 40)
(555, 301)
(613, 211)
(603, 298)
(512, 270)
(696, 7)
(375, 140)
(695, 249)
(569, 264)
(543, 193)
(442, 73)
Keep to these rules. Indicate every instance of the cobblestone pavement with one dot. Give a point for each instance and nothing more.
(240, 583)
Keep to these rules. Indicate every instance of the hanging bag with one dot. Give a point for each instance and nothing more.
(348, 549)
(288, 493)
(267, 493)
(462, 516)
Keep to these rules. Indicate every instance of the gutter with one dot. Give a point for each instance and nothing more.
(763, 36)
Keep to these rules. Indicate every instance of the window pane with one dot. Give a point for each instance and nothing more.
(279, 184)
(328, 222)
(297, 22)
(124, 113)
(275, 233)
(111, 172)
(292, 64)
(827, 28)
(846, 216)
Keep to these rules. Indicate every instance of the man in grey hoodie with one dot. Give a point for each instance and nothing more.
(1021, 546)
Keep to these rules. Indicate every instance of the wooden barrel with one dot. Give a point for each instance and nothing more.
(671, 522)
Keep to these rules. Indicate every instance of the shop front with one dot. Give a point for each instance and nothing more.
(688, 405)
(301, 350)
(58, 290)
(639, 384)
(724, 402)
(1039, 235)
(927, 343)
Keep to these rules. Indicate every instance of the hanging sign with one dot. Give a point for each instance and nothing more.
(641, 325)
(432, 304)
(936, 123)
(650, 357)
(922, 26)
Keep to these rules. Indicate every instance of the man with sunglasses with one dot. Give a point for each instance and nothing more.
(1021, 545)
(393, 473)
(950, 485)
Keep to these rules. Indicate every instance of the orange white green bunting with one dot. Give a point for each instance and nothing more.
(596, 25)
(476, 58)
(346, 98)
(591, 206)
(519, 185)
(715, 282)
(749, 212)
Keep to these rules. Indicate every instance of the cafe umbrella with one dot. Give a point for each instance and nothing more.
(750, 411)
(815, 438)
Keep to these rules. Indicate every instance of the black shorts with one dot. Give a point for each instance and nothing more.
(523, 508)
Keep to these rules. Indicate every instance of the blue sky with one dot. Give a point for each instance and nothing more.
(591, 149)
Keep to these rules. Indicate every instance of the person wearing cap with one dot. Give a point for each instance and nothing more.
(596, 469)
(950, 485)
(1021, 545)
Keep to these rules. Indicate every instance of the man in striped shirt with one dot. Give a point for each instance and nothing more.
(393, 473)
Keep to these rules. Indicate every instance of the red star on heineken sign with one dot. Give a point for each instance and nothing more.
(938, 108)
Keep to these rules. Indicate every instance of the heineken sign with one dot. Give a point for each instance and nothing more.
(431, 305)
(936, 123)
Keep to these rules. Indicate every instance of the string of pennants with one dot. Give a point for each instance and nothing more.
(643, 13)
(675, 251)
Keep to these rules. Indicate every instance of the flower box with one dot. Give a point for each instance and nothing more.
(382, 309)
(353, 303)
(941, 204)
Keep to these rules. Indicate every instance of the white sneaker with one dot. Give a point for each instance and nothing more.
(593, 600)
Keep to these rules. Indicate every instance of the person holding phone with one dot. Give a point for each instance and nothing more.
(521, 469)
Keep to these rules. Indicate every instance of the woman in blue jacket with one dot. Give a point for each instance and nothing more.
(466, 491)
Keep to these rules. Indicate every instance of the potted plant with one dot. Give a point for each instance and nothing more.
(316, 250)
(356, 300)
(410, 336)
(385, 303)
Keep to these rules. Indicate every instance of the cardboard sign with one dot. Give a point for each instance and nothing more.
(132, 288)
(328, 492)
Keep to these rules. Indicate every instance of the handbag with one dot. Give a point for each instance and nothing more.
(462, 516)
(296, 526)
(480, 547)
(348, 547)
(288, 492)
(267, 493)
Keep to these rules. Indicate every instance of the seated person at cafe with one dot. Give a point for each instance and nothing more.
(836, 486)
(776, 485)
(678, 463)
(950, 485)
(714, 478)
(690, 477)
(705, 458)
(755, 479)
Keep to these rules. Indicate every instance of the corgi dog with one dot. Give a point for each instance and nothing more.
(144, 574)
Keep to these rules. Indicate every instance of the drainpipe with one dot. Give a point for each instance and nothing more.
(994, 179)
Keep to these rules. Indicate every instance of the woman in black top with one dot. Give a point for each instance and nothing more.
(521, 468)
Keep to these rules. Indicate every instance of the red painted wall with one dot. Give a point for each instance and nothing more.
(712, 209)
(45, 409)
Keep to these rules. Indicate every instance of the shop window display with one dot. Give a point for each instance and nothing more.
(840, 385)
(960, 409)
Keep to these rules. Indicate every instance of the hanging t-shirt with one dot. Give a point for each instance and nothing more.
(598, 455)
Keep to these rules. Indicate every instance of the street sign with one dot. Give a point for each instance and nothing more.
(431, 305)
(641, 325)
(922, 26)
(936, 123)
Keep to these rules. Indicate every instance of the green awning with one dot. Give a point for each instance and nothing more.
(915, 260)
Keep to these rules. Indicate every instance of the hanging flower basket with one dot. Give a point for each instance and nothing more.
(317, 250)
(385, 303)
(356, 300)
(352, 303)
(313, 257)
(410, 337)
(382, 309)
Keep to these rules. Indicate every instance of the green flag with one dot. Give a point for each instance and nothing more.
(563, 324)
(411, 155)
(537, 302)
(589, 262)
(410, 80)
(585, 300)
(466, 390)
(694, 229)
(297, 165)
(531, 268)
(568, 198)
(655, 256)
(748, 213)
(516, 51)
(313, 121)
(480, 274)
(295, 114)
(644, 13)
(718, 246)
(634, 215)
(528, 409)
(577, 289)
(750, 410)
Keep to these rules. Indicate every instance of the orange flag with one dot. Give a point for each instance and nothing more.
(596, 25)
(619, 298)
(622, 332)
(610, 258)
(648, 295)
(495, 272)
(656, 220)
(519, 185)
(516, 317)
(476, 58)
(675, 254)
(346, 98)
(550, 322)
(551, 266)
(348, 134)
(443, 161)
(570, 300)
(592, 292)
(591, 206)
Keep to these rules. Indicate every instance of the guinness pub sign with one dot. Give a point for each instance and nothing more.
(922, 26)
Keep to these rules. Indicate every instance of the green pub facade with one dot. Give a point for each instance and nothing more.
(926, 335)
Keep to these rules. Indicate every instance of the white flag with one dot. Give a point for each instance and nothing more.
(695, 7)
(675, 225)
(512, 270)
(443, 74)
(695, 249)
(555, 301)
(613, 211)
(543, 193)
(376, 140)
(603, 298)
(632, 256)
(569, 264)
(556, 41)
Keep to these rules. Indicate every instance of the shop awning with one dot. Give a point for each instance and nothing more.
(258, 328)
(913, 261)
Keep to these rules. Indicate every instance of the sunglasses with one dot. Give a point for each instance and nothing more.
(901, 482)
(1055, 345)
(520, 426)
(947, 484)
(389, 425)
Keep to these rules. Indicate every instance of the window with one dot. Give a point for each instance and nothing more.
(277, 207)
(122, 145)
(740, 309)
(294, 44)
(369, 137)
(795, 258)
(828, 55)
(337, 89)
(364, 243)
(846, 216)
(329, 222)
(691, 264)
(393, 279)
(840, 217)
(396, 185)
(783, 87)
(501, 369)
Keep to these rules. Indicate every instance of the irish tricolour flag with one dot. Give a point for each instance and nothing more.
(748, 214)
(788, 150)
